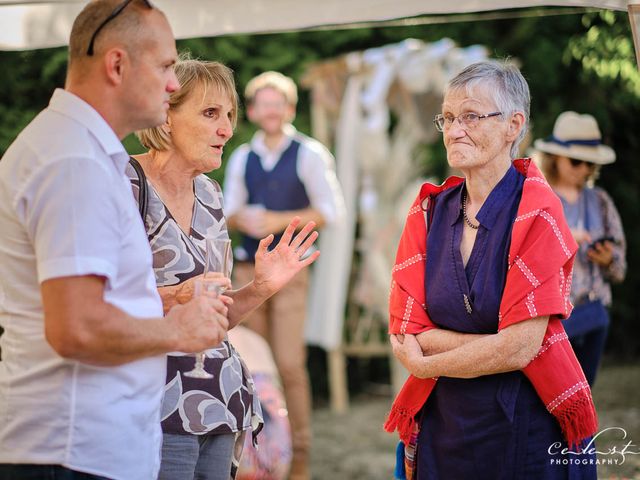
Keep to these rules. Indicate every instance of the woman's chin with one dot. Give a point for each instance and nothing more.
(458, 161)
(212, 164)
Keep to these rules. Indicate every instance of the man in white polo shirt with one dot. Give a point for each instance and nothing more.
(83, 364)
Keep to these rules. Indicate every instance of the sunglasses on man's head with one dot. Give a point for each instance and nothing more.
(116, 11)
(576, 163)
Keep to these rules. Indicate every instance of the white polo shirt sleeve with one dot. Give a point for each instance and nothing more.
(77, 232)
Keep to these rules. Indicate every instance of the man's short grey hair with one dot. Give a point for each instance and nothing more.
(127, 28)
(506, 84)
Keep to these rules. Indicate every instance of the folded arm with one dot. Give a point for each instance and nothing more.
(438, 340)
(510, 349)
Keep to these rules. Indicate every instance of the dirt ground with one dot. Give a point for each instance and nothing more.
(354, 446)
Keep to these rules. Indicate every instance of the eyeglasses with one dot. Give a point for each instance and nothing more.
(116, 11)
(468, 120)
(575, 163)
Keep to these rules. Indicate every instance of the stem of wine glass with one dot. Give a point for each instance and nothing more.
(200, 356)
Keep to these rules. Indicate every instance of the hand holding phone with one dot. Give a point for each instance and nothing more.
(601, 240)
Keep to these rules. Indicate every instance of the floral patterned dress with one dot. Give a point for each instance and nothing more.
(228, 402)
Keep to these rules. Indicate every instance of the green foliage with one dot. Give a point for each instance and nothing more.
(28, 80)
(583, 62)
(607, 51)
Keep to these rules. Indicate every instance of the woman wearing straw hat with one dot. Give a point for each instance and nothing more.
(571, 160)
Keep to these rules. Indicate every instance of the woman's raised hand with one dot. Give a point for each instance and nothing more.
(276, 267)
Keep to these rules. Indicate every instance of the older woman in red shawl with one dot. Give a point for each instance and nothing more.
(495, 391)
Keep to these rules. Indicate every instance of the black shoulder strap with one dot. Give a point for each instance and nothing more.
(142, 189)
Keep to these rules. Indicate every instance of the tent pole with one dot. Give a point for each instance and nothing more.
(634, 18)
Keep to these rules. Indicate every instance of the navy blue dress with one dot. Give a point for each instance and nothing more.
(494, 426)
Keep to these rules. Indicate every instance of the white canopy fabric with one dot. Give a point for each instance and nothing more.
(31, 24)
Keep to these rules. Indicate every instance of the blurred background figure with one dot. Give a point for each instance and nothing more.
(280, 174)
(571, 159)
(272, 459)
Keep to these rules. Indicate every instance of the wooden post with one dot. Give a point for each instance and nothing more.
(338, 387)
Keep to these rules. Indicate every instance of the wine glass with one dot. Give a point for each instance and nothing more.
(219, 259)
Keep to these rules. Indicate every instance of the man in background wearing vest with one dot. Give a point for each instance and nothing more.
(85, 340)
(279, 174)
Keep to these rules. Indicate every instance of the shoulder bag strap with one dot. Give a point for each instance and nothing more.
(142, 195)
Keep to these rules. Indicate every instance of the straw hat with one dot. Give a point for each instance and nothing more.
(577, 136)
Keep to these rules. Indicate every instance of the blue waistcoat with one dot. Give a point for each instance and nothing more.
(279, 189)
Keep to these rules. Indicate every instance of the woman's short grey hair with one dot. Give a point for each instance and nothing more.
(192, 73)
(507, 85)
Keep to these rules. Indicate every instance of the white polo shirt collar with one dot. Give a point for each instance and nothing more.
(74, 107)
(259, 146)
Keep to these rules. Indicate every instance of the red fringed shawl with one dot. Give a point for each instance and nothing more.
(538, 284)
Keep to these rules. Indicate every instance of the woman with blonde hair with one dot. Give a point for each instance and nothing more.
(203, 420)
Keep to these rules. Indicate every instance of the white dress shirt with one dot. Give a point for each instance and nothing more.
(315, 169)
(66, 209)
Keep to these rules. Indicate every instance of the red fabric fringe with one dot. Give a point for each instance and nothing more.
(578, 420)
(401, 420)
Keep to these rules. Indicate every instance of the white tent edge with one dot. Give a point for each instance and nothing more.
(29, 24)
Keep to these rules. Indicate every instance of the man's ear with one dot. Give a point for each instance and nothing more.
(291, 113)
(251, 112)
(115, 62)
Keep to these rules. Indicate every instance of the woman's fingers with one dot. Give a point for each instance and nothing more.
(602, 255)
(405, 343)
(223, 321)
(289, 231)
(398, 349)
(299, 243)
(225, 299)
(310, 240)
(263, 245)
(302, 235)
(310, 259)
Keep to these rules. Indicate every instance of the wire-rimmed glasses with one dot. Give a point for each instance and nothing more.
(468, 120)
(116, 11)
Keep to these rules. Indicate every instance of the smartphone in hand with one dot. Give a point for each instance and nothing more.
(601, 240)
